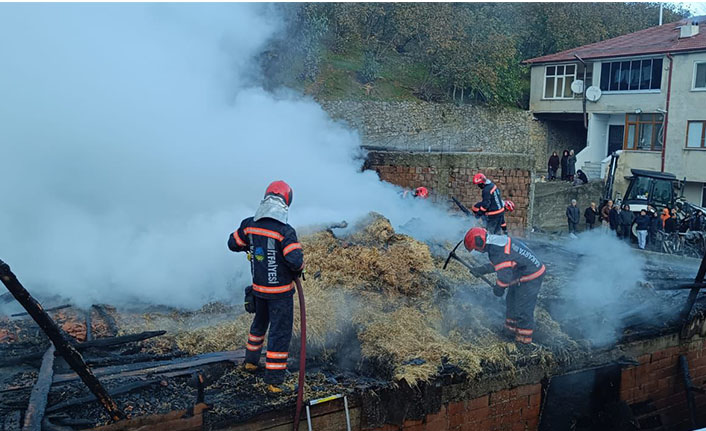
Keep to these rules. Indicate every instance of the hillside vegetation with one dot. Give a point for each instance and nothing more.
(460, 52)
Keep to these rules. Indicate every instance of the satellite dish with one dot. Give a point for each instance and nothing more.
(593, 93)
(577, 86)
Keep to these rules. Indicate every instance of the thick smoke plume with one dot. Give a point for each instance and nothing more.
(133, 142)
(599, 288)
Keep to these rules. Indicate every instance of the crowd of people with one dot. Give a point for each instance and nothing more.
(568, 172)
(619, 218)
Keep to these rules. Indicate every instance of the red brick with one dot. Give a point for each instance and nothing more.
(478, 403)
(499, 396)
(456, 408)
(410, 422)
(644, 359)
(627, 379)
(529, 389)
(456, 420)
(477, 414)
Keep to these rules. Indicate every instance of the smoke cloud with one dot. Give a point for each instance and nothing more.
(600, 289)
(134, 141)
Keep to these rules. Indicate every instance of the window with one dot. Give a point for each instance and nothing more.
(695, 131)
(557, 81)
(703, 196)
(632, 75)
(699, 76)
(643, 132)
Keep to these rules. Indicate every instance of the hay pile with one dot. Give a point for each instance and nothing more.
(385, 294)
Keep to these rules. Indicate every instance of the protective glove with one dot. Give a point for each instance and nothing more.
(482, 270)
(498, 291)
(300, 275)
(249, 300)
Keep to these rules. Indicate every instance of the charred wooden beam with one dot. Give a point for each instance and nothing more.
(700, 275)
(684, 366)
(65, 349)
(123, 339)
(89, 324)
(107, 318)
(96, 343)
(113, 392)
(60, 307)
(38, 398)
(144, 368)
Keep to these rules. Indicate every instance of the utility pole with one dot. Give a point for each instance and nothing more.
(661, 8)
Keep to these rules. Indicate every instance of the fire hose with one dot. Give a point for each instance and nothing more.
(302, 353)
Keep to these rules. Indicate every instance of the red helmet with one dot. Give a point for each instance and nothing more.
(281, 189)
(421, 192)
(475, 239)
(509, 206)
(479, 179)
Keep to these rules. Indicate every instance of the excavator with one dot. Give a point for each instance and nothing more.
(659, 190)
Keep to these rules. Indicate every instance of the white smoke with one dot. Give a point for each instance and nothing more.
(133, 143)
(598, 292)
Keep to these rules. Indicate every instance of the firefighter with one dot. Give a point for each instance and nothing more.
(419, 192)
(509, 207)
(491, 206)
(519, 272)
(276, 259)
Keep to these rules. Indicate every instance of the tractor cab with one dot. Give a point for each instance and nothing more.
(650, 188)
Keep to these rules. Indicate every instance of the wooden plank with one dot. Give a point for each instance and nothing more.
(51, 329)
(38, 398)
(142, 368)
(114, 341)
(172, 421)
(113, 392)
(24, 313)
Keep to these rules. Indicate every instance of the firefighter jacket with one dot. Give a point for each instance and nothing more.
(513, 261)
(491, 203)
(275, 255)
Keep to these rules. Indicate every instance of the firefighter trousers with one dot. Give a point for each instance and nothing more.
(520, 302)
(278, 314)
(493, 223)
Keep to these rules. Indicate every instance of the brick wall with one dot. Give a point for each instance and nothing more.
(655, 388)
(447, 175)
(514, 409)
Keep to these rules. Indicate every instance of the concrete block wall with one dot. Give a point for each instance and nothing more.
(447, 175)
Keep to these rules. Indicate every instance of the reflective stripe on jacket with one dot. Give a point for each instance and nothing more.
(514, 262)
(276, 255)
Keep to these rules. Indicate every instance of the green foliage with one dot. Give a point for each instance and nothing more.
(370, 70)
(461, 52)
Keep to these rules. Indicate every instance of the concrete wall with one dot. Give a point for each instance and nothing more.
(552, 198)
(420, 126)
(648, 101)
(685, 105)
(447, 175)
(693, 192)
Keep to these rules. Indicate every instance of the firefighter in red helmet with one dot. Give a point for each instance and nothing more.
(491, 205)
(509, 207)
(421, 192)
(276, 259)
(519, 272)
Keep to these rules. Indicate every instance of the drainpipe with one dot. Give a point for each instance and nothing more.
(666, 114)
(585, 117)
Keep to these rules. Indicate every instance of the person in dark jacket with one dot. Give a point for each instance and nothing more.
(491, 205)
(572, 216)
(626, 219)
(698, 222)
(605, 215)
(670, 222)
(276, 260)
(553, 166)
(654, 229)
(581, 178)
(614, 219)
(571, 166)
(519, 272)
(590, 214)
(643, 222)
(564, 165)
